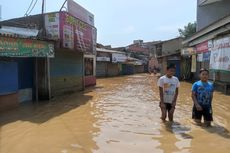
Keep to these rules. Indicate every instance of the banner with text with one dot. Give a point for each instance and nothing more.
(76, 34)
(220, 54)
(16, 47)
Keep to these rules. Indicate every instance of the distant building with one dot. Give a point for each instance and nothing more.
(169, 52)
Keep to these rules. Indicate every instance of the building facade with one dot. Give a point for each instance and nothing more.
(212, 43)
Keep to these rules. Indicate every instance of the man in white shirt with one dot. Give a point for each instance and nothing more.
(168, 88)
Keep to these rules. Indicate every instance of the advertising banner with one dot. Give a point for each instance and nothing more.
(79, 12)
(203, 47)
(76, 34)
(220, 54)
(52, 26)
(15, 47)
(206, 56)
(103, 59)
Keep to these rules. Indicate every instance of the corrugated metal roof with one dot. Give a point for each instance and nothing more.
(108, 51)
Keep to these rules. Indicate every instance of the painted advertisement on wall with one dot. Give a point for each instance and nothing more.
(79, 12)
(52, 26)
(220, 55)
(75, 33)
(68, 36)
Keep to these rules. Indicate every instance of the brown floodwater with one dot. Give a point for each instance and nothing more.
(119, 115)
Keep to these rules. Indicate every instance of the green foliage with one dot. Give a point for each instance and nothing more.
(188, 30)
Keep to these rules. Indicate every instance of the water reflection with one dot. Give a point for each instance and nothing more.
(120, 115)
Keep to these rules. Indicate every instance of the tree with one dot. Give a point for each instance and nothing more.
(188, 30)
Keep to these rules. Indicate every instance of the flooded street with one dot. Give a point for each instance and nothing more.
(119, 115)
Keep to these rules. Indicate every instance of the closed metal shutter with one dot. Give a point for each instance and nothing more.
(8, 77)
(113, 69)
(66, 71)
(139, 69)
(101, 69)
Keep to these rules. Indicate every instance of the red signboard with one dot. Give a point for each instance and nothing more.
(202, 48)
(75, 34)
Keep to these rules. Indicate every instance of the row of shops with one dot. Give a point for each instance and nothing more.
(210, 49)
(114, 63)
(63, 61)
(22, 65)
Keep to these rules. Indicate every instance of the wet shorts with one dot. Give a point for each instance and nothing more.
(206, 113)
(168, 106)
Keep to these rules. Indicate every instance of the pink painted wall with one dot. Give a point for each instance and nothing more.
(90, 81)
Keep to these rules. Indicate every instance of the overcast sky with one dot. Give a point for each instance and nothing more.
(119, 22)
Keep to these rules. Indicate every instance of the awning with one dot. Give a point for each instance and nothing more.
(206, 2)
(210, 32)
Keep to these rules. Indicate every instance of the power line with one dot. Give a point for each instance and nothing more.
(29, 8)
(33, 7)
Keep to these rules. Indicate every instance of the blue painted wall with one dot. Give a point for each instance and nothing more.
(8, 77)
(66, 71)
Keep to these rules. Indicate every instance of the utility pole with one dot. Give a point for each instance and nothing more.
(0, 12)
(43, 5)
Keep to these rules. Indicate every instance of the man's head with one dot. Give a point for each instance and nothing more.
(171, 70)
(204, 73)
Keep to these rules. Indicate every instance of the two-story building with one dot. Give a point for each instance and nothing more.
(212, 41)
(168, 52)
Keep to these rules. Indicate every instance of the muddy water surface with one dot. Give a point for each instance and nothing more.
(120, 115)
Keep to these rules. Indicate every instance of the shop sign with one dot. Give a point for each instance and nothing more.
(203, 47)
(15, 47)
(220, 54)
(188, 51)
(103, 59)
(116, 57)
